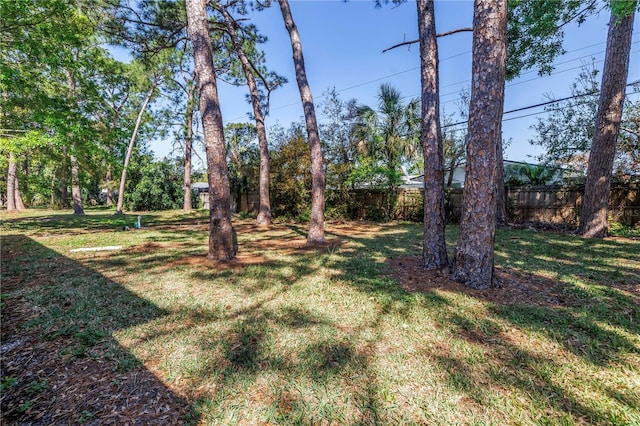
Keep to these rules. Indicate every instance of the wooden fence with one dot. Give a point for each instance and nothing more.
(247, 202)
(550, 204)
(557, 204)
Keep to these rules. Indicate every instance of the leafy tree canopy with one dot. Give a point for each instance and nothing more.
(567, 131)
(158, 188)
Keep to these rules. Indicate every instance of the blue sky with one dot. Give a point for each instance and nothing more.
(343, 43)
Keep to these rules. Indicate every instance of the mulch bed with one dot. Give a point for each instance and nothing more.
(513, 287)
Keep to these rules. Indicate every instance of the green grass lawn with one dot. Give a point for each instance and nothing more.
(288, 335)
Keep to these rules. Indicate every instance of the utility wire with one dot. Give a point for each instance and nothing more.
(553, 101)
(515, 83)
(465, 81)
(555, 109)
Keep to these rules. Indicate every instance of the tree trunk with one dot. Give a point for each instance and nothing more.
(18, 196)
(501, 197)
(76, 193)
(11, 183)
(132, 142)
(188, 147)
(61, 178)
(434, 249)
(25, 173)
(52, 197)
(316, 225)
(25, 167)
(474, 251)
(58, 186)
(63, 189)
(452, 167)
(109, 179)
(264, 213)
(221, 241)
(595, 204)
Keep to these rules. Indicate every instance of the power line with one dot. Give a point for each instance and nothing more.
(553, 101)
(469, 51)
(559, 109)
(515, 83)
(465, 81)
(371, 81)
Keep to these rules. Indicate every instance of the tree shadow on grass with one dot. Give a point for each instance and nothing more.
(529, 374)
(248, 355)
(521, 372)
(612, 262)
(584, 324)
(578, 318)
(60, 362)
(250, 350)
(592, 318)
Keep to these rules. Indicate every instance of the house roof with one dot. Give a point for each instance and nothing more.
(200, 185)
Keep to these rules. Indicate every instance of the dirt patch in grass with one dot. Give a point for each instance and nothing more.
(513, 288)
(202, 261)
(357, 229)
(153, 247)
(291, 246)
(250, 253)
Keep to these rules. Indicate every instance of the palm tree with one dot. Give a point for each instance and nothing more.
(390, 135)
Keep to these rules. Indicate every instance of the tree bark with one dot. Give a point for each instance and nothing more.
(59, 190)
(452, 166)
(434, 248)
(76, 193)
(109, 179)
(11, 183)
(474, 251)
(221, 244)
(132, 142)
(18, 196)
(60, 180)
(52, 197)
(264, 214)
(501, 197)
(316, 225)
(188, 147)
(595, 204)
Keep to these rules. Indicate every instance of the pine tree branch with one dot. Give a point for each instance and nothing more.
(633, 132)
(406, 43)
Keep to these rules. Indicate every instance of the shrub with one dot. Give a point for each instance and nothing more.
(159, 188)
